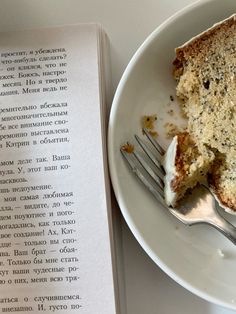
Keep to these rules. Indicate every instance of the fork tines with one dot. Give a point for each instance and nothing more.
(148, 167)
(155, 144)
(198, 209)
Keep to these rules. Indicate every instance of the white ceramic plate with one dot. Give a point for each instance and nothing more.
(190, 255)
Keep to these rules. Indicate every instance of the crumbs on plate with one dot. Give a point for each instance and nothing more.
(128, 148)
(171, 129)
(148, 122)
(171, 112)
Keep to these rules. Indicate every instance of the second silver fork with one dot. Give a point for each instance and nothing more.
(199, 207)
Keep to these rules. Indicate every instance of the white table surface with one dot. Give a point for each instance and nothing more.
(127, 23)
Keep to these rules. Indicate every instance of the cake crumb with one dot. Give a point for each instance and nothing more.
(153, 133)
(171, 129)
(128, 148)
(171, 98)
(170, 112)
(148, 122)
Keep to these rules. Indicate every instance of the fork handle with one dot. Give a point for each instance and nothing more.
(225, 227)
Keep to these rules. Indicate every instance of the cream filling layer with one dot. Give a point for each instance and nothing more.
(169, 166)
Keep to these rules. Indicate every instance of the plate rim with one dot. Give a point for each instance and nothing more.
(111, 161)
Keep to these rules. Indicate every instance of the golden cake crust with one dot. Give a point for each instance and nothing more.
(198, 43)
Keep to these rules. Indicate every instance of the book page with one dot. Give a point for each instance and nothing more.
(54, 231)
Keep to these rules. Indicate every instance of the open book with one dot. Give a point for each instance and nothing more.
(55, 243)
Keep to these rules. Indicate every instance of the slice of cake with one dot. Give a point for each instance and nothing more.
(185, 165)
(205, 69)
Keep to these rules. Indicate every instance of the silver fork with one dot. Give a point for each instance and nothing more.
(199, 207)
